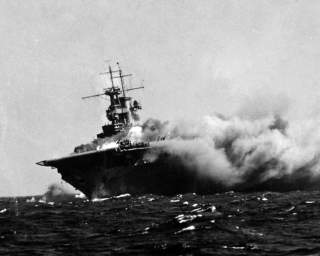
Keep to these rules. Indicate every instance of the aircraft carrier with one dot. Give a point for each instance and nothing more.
(119, 161)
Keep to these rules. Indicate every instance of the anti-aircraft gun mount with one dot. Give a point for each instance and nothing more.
(122, 110)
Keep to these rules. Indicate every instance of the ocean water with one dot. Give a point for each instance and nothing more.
(220, 224)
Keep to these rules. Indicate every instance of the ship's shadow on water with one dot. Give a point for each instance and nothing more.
(228, 223)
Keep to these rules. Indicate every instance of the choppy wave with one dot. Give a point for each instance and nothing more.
(221, 224)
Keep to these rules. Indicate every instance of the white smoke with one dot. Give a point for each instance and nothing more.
(135, 134)
(235, 150)
(107, 145)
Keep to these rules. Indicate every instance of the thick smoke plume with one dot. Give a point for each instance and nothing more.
(243, 154)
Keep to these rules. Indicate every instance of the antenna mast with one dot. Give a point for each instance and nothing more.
(112, 83)
(111, 76)
(121, 80)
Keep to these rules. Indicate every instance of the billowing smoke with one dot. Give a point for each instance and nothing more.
(242, 153)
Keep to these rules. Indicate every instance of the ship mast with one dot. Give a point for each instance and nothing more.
(121, 80)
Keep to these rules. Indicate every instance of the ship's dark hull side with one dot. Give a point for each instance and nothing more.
(111, 172)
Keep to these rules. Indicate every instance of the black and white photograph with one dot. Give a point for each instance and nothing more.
(160, 127)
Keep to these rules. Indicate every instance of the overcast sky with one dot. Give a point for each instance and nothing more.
(194, 57)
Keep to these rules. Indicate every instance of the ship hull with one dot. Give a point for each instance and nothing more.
(147, 170)
(110, 172)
